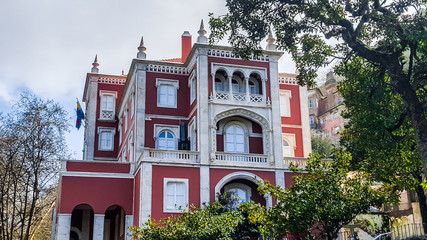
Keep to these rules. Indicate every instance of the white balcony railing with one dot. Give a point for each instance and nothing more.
(298, 161)
(171, 155)
(247, 158)
(240, 98)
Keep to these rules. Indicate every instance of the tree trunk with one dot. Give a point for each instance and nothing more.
(415, 111)
(423, 205)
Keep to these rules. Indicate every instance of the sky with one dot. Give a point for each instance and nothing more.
(48, 46)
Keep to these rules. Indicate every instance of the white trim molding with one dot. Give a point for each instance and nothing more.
(177, 209)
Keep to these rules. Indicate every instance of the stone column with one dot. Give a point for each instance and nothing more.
(247, 90)
(98, 227)
(128, 224)
(63, 227)
(230, 88)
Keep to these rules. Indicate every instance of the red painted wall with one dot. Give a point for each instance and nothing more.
(114, 124)
(183, 95)
(295, 118)
(299, 151)
(113, 167)
(255, 145)
(289, 179)
(217, 174)
(161, 172)
(99, 193)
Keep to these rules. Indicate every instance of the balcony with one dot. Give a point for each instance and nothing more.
(176, 156)
(234, 159)
(224, 97)
(297, 161)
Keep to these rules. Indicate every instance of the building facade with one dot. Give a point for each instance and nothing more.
(325, 108)
(181, 131)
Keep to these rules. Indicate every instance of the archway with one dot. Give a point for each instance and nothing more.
(244, 185)
(114, 223)
(82, 222)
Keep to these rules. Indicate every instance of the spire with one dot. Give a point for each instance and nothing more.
(270, 41)
(141, 49)
(202, 38)
(95, 65)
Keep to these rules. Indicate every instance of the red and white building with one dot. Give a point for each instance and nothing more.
(178, 132)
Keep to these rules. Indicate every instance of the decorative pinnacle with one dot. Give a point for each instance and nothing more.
(270, 40)
(95, 65)
(141, 49)
(202, 38)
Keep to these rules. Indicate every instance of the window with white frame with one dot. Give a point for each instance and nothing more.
(132, 102)
(192, 85)
(285, 103)
(106, 139)
(192, 134)
(235, 139)
(166, 136)
(108, 104)
(167, 92)
(310, 103)
(175, 195)
(288, 144)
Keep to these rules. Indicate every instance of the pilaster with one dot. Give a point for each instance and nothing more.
(63, 226)
(98, 227)
(128, 223)
(90, 131)
(141, 76)
(275, 113)
(146, 192)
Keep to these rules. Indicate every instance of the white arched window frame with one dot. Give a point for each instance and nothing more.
(254, 87)
(288, 145)
(236, 137)
(238, 85)
(221, 84)
(171, 143)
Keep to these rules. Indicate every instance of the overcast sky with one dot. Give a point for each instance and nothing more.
(47, 46)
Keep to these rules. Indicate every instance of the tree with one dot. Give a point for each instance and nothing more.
(325, 196)
(391, 34)
(31, 144)
(379, 134)
(320, 144)
(218, 220)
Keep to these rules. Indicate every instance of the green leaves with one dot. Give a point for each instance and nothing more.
(325, 196)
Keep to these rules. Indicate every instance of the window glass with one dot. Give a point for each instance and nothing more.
(167, 95)
(286, 149)
(235, 86)
(252, 88)
(106, 140)
(218, 85)
(107, 103)
(235, 139)
(166, 141)
(175, 195)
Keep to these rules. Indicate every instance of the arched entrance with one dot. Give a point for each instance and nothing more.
(114, 223)
(82, 223)
(244, 186)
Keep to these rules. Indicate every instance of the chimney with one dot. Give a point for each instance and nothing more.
(186, 45)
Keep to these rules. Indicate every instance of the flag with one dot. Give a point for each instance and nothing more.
(80, 115)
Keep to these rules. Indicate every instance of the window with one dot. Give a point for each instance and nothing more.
(285, 105)
(288, 144)
(175, 195)
(166, 140)
(106, 139)
(286, 149)
(235, 86)
(310, 103)
(242, 191)
(167, 93)
(192, 85)
(235, 139)
(192, 134)
(108, 104)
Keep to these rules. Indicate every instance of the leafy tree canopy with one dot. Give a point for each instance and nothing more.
(325, 196)
(391, 34)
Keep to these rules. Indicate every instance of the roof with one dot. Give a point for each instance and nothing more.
(177, 60)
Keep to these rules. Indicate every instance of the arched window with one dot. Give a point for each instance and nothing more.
(235, 85)
(218, 85)
(252, 87)
(235, 139)
(286, 149)
(166, 140)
